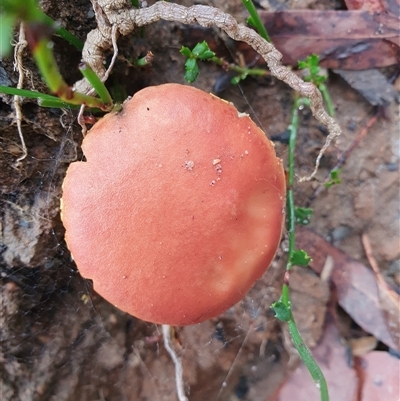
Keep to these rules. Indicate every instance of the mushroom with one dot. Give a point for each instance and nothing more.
(178, 208)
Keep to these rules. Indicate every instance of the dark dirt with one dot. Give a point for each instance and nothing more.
(61, 341)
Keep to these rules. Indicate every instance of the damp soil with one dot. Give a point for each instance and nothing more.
(61, 341)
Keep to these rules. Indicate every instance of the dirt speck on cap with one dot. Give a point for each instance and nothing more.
(189, 164)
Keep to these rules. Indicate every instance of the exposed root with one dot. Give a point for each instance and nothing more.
(114, 37)
(81, 120)
(18, 65)
(180, 388)
(328, 141)
(119, 14)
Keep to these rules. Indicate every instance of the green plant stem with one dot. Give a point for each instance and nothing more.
(56, 104)
(62, 32)
(256, 19)
(290, 209)
(44, 100)
(298, 342)
(238, 69)
(145, 60)
(141, 62)
(96, 82)
(309, 361)
(327, 97)
(8, 90)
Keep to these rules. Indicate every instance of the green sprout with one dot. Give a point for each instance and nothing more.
(334, 179)
(145, 60)
(203, 52)
(311, 65)
(200, 52)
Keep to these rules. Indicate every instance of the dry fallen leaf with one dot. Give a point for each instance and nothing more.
(355, 40)
(309, 293)
(371, 84)
(389, 299)
(363, 345)
(380, 376)
(388, 6)
(357, 289)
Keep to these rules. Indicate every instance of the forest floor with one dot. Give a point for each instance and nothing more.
(61, 341)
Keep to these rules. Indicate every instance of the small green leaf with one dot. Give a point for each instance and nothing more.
(311, 63)
(302, 65)
(282, 312)
(26, 93)
(185, 51)
(300, 258)
(238, 78)
(192, 70)
(303, 215)
(207, 55)
(335, 178)
(202, 51)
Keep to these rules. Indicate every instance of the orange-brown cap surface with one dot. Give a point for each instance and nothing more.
(178, 208)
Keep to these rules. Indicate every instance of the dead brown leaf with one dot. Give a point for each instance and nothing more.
(367, 5)
(371, 84)
(363, 345)
(357, 289)
(388, 6)
(389, 299)
(343, 39)
(380, 375)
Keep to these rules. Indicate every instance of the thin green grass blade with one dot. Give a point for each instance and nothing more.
(96, 82)
(8, 90)
(62, 32)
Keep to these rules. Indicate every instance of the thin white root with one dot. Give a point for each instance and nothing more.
(180, 388)
(18, 65)
(114, 37)
(119, 13)
(327, 143)
(81, 120)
